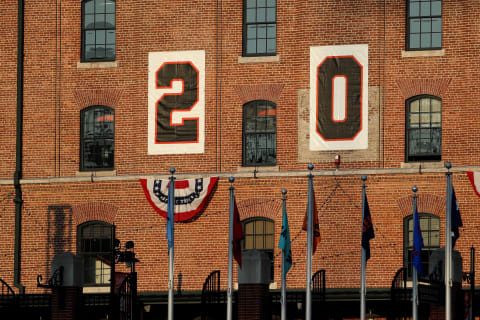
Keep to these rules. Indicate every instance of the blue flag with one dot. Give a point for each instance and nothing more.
(417, 243)
(285, 243)
(456, 218)
(170, 214)
(367, 230)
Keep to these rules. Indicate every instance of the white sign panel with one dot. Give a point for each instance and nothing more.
(176, 102)
(339, 97)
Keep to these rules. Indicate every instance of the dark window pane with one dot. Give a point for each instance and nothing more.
(89, 21)
(256, 31)
(414, 9)
(99, 21)
(252, 31)
(426, 40)
(251, 3)
(414, 41)
(415, 26)
(98, 16)
(259, 131)
(97, 139)
(261, 46)
(271, 14)
(99, 6)
(427, 35)
(110, 21)
(90, 37)
(436, 8)
(261, 14)
(425, 9)
(252, 46)
(251, 15)
(110, 6)
(111, 37)
(89, 7)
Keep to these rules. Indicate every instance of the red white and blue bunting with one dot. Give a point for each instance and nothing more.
(190, 195)
(475, 180)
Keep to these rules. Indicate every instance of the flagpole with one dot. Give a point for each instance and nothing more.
(414, 269)
(363, 276)
(171, 195)
(308, 289)
(284, 276)
(448, 245)
(230, 251)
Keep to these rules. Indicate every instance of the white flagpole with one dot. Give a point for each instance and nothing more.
(308, 289)
(448, 246)
(363, 276)
(230, 252)
(284, 280)
(414, 270)
(171, 194)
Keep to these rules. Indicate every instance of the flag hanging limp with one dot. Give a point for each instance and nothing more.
(285, 244)
(367, 230)
(170, 215)
(238, 235)
(417, 243)
(316, 226)
(456, 219)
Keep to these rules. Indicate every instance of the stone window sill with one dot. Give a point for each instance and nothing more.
(259, 169)
(423, 53)
(106, 173)
(97, 65)
(413, 165)
(262, 59)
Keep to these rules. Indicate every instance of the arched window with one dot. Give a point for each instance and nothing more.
(97, 138)
(259, 234)
(94, 245)
(259, 133)
(424, 128)
(98, 30)
(430, 226)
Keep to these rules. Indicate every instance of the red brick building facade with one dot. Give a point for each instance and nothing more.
(62, 79)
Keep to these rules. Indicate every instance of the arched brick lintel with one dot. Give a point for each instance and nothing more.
(426, 203)
(257, 207)
(414, 87)
(97, 97)
(94, 211)
(269, 92)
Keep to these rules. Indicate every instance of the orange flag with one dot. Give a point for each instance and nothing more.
(316, 226)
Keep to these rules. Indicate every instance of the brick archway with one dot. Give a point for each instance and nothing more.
(259, 207)
(426, 203)
(94, 211)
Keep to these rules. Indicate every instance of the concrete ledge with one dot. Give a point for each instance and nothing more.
(421, 165)
(107, 173)
(97, 65)
(261, 59)
(423, 53)
(249, 174)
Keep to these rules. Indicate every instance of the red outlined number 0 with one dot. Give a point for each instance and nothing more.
(351, 70)
(165, 130)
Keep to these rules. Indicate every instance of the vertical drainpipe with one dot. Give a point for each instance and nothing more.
(19, 147)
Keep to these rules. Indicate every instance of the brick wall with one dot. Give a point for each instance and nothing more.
(57, 87)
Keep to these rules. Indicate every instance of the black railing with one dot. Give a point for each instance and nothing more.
(210, 293)
(399, 291)
(318, 281)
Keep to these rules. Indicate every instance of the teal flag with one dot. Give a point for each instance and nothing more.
(285, 243)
